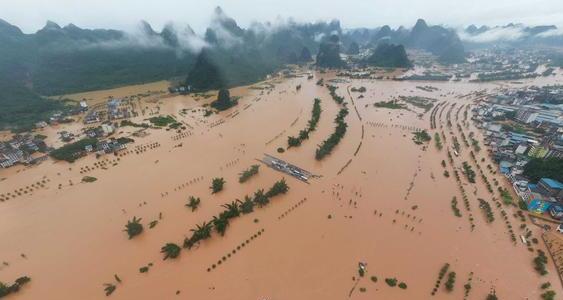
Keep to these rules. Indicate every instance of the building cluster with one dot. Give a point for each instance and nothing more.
(64, 116)
(483, 65)
(100, 131)
(24, 149)
(107, 146)
(114, 109)
(506, 64)
(521, 125)
(182, 90)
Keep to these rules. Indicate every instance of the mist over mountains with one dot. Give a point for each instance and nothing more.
(438, 40)
(514, 35)
(59, 60)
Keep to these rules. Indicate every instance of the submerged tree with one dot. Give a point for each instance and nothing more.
(246, 174)
(280, 187)
(247, 206)
(109, 288)
(260, 198)
(220, 223)
(170, 250)
(326, 147)
(293, 141)
(232, 210)
(492, 296)
(6, 289)
(217, 184)
(133, 227)
(193, 203)
(202, 232)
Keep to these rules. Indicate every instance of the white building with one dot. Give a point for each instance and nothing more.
(107, 129)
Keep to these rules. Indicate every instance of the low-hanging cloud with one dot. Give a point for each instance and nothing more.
(141, 38)
(224, 27)
(496, 34)
(552, 33)
(188, 40)
(319, 37)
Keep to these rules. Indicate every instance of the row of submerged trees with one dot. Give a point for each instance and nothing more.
(328, 145)
(7, 289)
(134, 226)
(246, 174)
(221, 222)
(311, 126)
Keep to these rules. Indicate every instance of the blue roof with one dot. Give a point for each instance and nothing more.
(552, 183)
(505, 164)
(516, 134)
(557, 208)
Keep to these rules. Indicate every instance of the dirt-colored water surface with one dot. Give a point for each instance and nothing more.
(380, 199)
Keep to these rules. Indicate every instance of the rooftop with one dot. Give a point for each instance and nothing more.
(552, 183)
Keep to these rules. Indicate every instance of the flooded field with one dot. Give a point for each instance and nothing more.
(96, 97)
(379, 199)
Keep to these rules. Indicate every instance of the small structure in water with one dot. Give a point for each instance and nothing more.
(282, 166)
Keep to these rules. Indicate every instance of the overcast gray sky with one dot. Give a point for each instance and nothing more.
(31, 15)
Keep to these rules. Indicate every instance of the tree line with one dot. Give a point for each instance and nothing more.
(221, 222)
(311, 126)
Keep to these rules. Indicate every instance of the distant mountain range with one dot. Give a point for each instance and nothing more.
(389, 56)
(329, 53)
(59, 60)
(438, 40)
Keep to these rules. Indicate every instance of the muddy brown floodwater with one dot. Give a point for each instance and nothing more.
(390, 207)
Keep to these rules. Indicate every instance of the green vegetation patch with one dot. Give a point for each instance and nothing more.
(73, 151)
(22, 108)
(132, 124)
(89, 179)
(391, 104)
(420, 102)
(450, 283)
(361, 89)
(391, 281)
(7, 289)
(421, 137)
(162, 121)
(486, 207)
(538, 168)
(468, 171)
(455, 209)
(505, 195)
(248, 173)
(438, 141)
(540, 262)
(549, 295)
